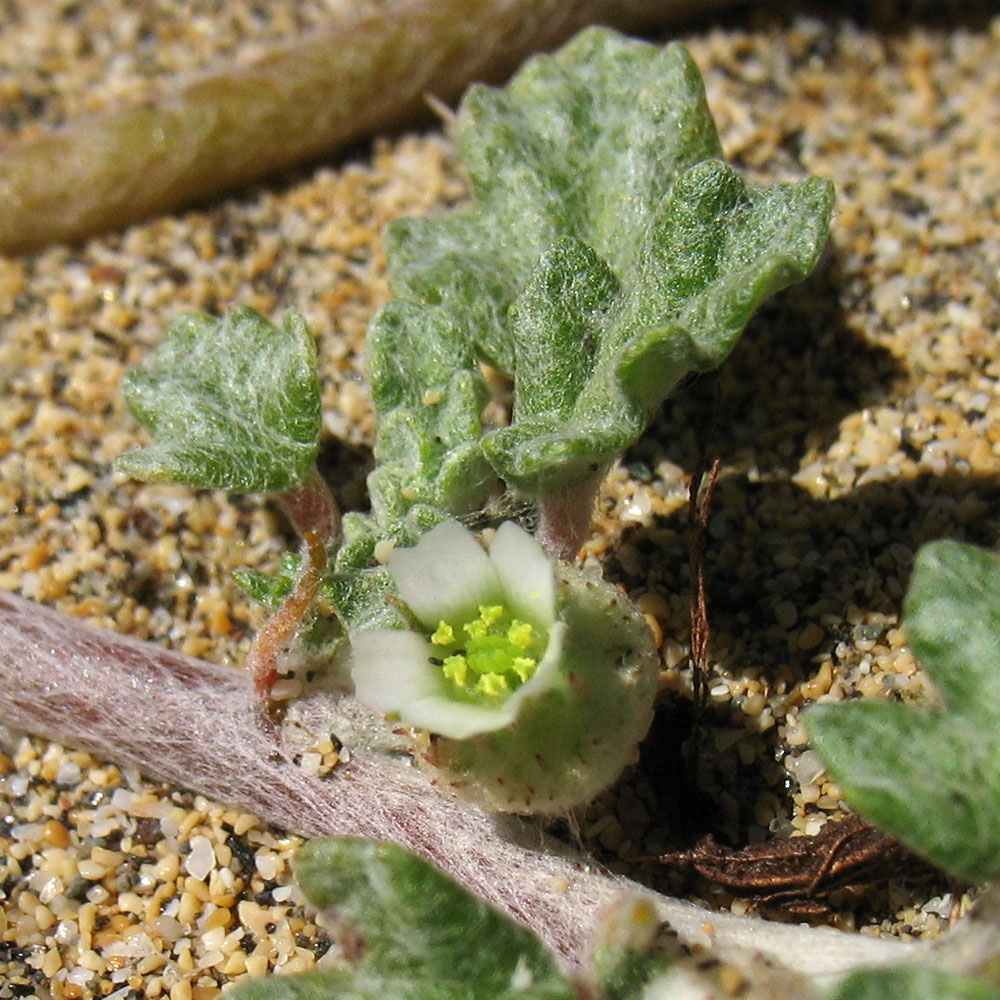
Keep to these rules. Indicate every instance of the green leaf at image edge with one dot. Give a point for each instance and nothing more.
(230, 403)
(420, 935)
(931, 776)
(912, 982)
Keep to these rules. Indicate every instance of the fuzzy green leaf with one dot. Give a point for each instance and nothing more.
(912, 982)
(230, 403)
(608, 253)
(930, 776)
(428, 393)
(421, 936)
(270, 589)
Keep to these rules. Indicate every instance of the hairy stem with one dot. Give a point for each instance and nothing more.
(565, 515)
(314, 515)
(190, 723)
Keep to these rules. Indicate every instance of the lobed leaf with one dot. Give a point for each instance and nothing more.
(230, 403)
(912, 982)
(270, 589)
(608, 253)
(929, 776)
(428, 393)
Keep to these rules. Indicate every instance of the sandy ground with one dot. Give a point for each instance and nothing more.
(856, 420)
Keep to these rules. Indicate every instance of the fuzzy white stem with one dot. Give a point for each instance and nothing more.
(190, 723)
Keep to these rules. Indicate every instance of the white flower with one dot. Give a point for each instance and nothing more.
(535, 681)
(490, 639)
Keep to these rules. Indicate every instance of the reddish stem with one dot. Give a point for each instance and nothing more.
(314, 515)
(565, 514)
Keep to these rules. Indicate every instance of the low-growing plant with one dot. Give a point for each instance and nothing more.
(926, 774)
(607, 252)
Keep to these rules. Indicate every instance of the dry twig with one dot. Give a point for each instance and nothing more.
(796, 875)
(368, 72)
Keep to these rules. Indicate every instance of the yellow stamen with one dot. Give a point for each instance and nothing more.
(490, 656)
(490, 614)
(444, 634)
(492, 684)
(476, 629)
(520, 634)
(524, 667)
(456, 669)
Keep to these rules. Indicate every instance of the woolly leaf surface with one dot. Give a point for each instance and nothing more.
(929, 775)
(230, 403)
(912, 982)
(418, 934)
(428, 393)
(608, 252)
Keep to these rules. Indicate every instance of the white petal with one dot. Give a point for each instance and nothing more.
(547, 672)
(391, 669)
(447, 575)
(526, 574)
(392, 673)
(457, 719)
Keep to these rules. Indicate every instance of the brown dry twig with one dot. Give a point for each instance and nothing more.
(699, 511)
(796, 875)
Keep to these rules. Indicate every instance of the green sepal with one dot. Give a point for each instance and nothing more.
(357, 585)
(230, 403)
(420, 935)
(930, 776)
(270, 589)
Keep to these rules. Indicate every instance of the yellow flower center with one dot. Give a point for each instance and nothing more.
(490, 656)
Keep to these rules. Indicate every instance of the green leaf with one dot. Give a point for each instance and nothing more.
(428, 393)
(607, 254)
(420, 935)
(230, 403)
(358, 586)
(931, 776)
(270, 589)
(912, 982)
